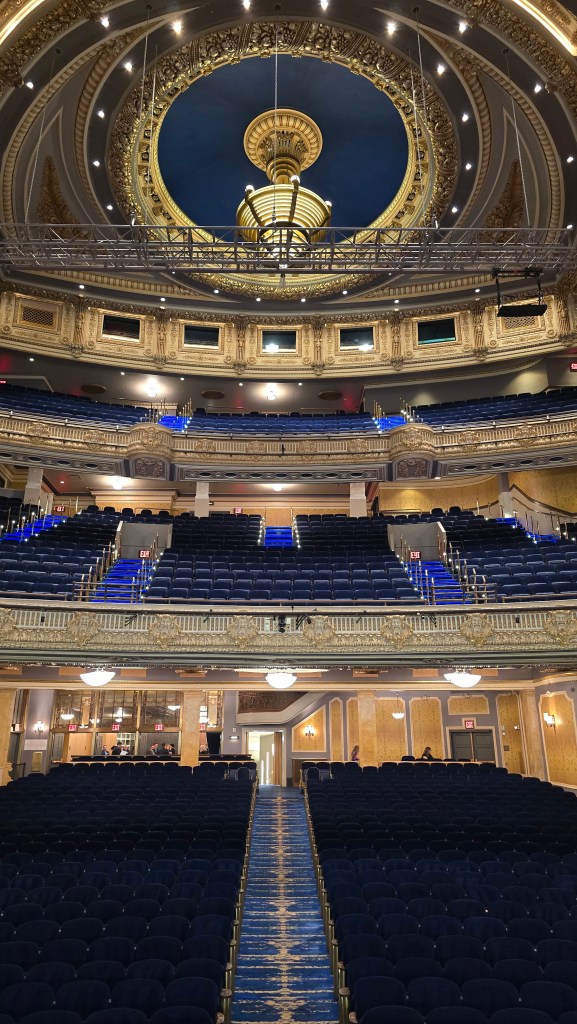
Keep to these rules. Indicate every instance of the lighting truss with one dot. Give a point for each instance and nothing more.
(142, 248)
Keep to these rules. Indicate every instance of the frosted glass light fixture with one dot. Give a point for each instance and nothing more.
(463, 679)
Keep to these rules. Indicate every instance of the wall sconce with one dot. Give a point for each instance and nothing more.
(549, 719)
(309, 731)
(39, 726)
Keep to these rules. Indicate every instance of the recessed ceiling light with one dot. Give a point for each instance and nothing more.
(345, 292)
(123, 373)
(81, 286)
(441, 68)
(468, 167)
(216, 291)
(100, 113)
(258, 298)
(454, 209)
(303, 299)
(240, 384)
(246, 5)
(62, 481)
(163, 299)
(324, 4)
(177, 26)
(300, 384)
(463, 26)
(96, 163)
(537, 87)
(569, 227)
(397, 301)
(31, 359)
(127, 65)
(570, 159)
(391, 28)
(105, 21)
(277, 487)
(29, 84)
(182, 378)
(464, 117)
(109, 206)
(477, 290)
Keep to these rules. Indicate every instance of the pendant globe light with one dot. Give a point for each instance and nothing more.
(98, 677)
(462, 678)
(280, 679)
(398, 713)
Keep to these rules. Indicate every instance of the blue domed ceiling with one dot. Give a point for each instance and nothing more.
(201, 154)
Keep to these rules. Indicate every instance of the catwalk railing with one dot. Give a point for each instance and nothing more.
(333, 250)
(50, 631)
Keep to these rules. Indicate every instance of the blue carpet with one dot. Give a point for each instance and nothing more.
(283, 974)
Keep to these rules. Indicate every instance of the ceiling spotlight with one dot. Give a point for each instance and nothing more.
(464, 117)
(570, 159)
(569, 227)
(30, 359)
(127, 65)
(96, 163)
(303, 299)
(300, 384)
(100, 113)
(152, 391)
(98, 677)
(397, 302)
(258, 298)
(537, 87)
(463, 26)
(280, 680)
(117, 483)
(105, 21)
(454, 209)
(29, 84)
(177, 26)
(123, 373)
(278, 487)
(477, 290)
(345, 291)
(441, 68)
(163, 300)
(216, 291)
(246, 5)
(109, 206)
(324, 5)
(463, 679)
(240, 384)
(182, 378)
(391, 28)
(81, 286)
(468, 167)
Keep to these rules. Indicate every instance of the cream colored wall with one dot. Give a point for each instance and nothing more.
(556, 488)
(421, 498)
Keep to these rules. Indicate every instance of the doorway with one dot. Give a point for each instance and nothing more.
(472, 745)
(265, 747)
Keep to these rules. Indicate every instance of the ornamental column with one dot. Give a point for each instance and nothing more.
(367, 727)
(189, 726)
(505, 499)
(33, 489)
(201, 498)
(532, 733)
(6, 710)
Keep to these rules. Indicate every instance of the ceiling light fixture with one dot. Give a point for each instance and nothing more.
(463, 26)
(246, 5)
(462, 678)
(570, 159)
(537, 87)
(109, 206)
(324, 5)
(398, 713)
(66, 716)
(96, 163)
(105, 21)
(127, 65)
(173, 707)
(280, 679)
(391, 28)
(468, 167)
(29, 84)
(177, 26)
(441, 68)
(454, 209)
(365, 347)
(278, 487)
(271, 347)
(117, 483)
(464, 117)
(97, 677)
(100, 113)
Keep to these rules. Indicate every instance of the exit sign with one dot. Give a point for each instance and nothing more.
(469, 723)
(72, 727)
(238, 511)
(144, 553)
(115, 727)
(415, 556)
(60, 508)
(158, 726)
(573, 367)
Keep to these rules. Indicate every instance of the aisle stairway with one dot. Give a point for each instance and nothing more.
(436, 582)
(278, 537)
(33, 529)
(123, 582)
(283, 973)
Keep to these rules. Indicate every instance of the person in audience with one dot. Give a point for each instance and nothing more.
(355, 753)
(105, 751)
(164, 752)
(203, 750)
(427, 755)
(152, 750)
(115, 750)
(171, 749)
(124, 750)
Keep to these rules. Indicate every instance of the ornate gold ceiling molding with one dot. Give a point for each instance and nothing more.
(428, 181)
(18, 53)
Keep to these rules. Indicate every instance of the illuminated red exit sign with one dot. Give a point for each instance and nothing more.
(144, 553)
(415, 556)
(573, 367)
(469, 723)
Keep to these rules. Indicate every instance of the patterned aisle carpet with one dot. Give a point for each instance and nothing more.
(283, 974)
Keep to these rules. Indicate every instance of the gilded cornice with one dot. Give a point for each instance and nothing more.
(494, 634)
(37, 37)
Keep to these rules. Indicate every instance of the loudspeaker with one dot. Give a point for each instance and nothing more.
(523, 309)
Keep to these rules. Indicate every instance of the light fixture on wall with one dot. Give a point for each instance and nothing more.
(398, 713)
(117, 483)
(280, 679)
(39, 726)
(462, 678)
(309, 731)
(67, 716)
(97, 677)
(549, 719)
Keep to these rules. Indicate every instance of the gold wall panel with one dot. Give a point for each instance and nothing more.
(556, 488)
(510, 733)
(561, 740)
(337, 730)
(391, 732)
(352, 725)
(310, 744)
(427, 726)
(423, 499)
(476, 704)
